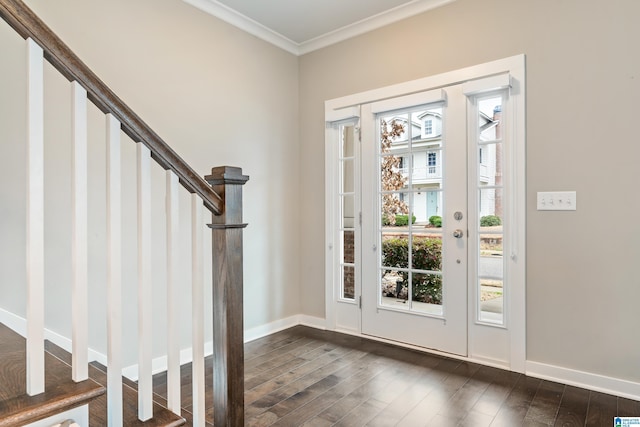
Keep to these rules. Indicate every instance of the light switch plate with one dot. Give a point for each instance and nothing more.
(556, 201)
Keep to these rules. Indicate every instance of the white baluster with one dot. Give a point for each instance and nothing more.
(145, 318)
(114, 274)
(35, 220)
(79, 177)
(197, 295)
(173, 281)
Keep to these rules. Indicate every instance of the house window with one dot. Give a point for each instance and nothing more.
(428, 127)
(431, 162)
(480, 155)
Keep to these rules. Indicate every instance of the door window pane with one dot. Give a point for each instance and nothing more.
(348, 211)
(394, 286)
(490, 196)
(394, 132)
(348, 282)
(489, 119)
(491, 300)
(348, 141)
(395, 249)
(348, 175)
(411, 200)
(427, 252)
(347, 200)
(348, 246)
(427, 208)
(490, 164)
(426, 291)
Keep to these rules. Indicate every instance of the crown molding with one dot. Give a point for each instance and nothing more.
(245, 23)
(225, 13)
(371, 23)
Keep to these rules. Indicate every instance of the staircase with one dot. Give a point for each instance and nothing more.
(62, 393)
(42, 385)
(98, 408)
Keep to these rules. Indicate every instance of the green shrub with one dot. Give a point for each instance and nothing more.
(435, 220)
(401, 220)
(427, 255)
(490, 221)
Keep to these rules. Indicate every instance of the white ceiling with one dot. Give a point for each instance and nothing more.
(301, 26)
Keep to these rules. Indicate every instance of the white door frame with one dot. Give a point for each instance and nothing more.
(515, 303)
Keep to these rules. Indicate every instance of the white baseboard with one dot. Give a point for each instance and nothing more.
(159, 364)
(19, 325)
(282, 324)
(601, 383)
(313, 322)
(270, 328)
(14, 322)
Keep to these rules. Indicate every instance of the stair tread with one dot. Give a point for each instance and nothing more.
(61, 392)
(162, 417)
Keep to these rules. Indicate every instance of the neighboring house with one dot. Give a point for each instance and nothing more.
(421, 162)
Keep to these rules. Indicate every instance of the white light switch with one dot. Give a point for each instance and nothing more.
(556, 200)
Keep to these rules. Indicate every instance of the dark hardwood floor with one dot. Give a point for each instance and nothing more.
(306, 377)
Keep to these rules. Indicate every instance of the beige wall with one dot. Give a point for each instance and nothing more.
(216, 94)
(583, 83)
(220, 96)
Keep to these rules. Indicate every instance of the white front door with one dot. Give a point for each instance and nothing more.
(414, 272)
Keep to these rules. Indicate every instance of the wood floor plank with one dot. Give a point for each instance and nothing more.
(354, 378)
(476, 419)
(628, 408)
(324, 363)
(451, 377)
(347, 366)
(362, 414)
(270, 342)
(310, 372)
(317, 422)
(573, 407)
(500, 384)
(331, 363)
(461, 403)
(602, 408)
(404, 402)
(546, 402)
(382, 376)
(267, 358)
(514, 409)
(258, 379)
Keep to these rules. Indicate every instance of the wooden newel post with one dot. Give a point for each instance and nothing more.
(228, 345)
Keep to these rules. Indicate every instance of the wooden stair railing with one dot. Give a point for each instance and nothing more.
(26, 23)
(221, 195)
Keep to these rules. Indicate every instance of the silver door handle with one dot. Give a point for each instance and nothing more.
(458, 233)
